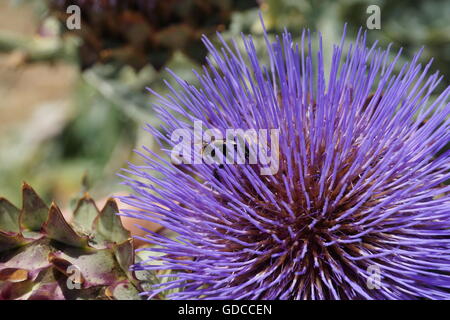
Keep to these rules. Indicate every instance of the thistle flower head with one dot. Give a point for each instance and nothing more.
(358, 208)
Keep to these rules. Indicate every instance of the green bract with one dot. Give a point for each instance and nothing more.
(42, 256)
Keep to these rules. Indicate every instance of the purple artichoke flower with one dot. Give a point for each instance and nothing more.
(359, 207)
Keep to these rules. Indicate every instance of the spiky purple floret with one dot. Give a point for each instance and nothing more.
(360, 183)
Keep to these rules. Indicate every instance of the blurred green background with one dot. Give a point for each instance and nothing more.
(73, 103)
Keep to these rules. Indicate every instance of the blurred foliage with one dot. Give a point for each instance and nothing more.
(141, 32)
(100, 124)
(410, 25)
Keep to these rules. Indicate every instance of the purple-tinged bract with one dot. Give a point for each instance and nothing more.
(359, 208)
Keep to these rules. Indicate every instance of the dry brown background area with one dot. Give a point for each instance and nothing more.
(23, 87)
